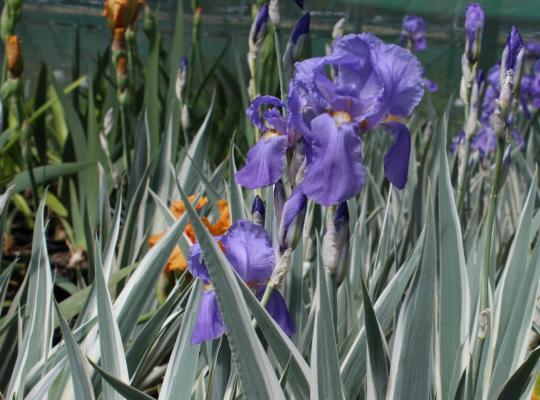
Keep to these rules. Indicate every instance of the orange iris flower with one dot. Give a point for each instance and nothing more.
(121, 13)
(177, 261)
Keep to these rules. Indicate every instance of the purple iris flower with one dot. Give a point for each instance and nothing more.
(474, 25)
(414, 32)
(514, 45)
(248, 248)
(374, 83)
(265, 162)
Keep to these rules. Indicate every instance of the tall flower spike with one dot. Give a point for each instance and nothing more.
(258, 28)
(474, 25)
(296, 42)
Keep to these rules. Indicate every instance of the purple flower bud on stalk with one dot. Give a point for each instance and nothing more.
(280, 197)
(474, 25)
(273, 12)
(258, 211)
(296, 42)
(292, 220)
(181, 78)
(258, 28)
(512, 50)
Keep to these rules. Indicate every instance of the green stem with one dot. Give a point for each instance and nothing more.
(124, 138)
(492, 207)
(279, 60)
(332, 294)
(264, 301)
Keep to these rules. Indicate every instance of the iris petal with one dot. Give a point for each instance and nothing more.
(335, 171)
(396, 160)
(209, 324)
(265, 163)
(277, 308)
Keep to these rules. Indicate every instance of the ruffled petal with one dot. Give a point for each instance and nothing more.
(335, 171)
(209, 324)
(265, 163)
(396, 160)
(249, 250)
(277, 308)
(401, 73)
(254, 107)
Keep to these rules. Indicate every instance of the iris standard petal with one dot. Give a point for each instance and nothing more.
(249, 250)
(335, 171)
(255, 106)
(396, 160)
(197, 267)
(265, 162)
(277, 308)
(209, 324)
(401, 73)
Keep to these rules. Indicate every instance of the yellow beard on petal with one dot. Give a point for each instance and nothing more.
(341, 117)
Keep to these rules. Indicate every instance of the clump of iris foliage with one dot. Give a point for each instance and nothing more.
(283, 225)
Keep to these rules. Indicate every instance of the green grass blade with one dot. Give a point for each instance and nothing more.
(412, 353)
(122, 390)
(82, 384)
(113, 358)
(325, 378)
(196, 152)
(517, 383)
(454, 300)
(181, 370)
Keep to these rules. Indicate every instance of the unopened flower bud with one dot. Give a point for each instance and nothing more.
(512, 49)
(14, 56)
(297, 168)
(181, 78)
(149, 22)
(258, 211)
(273, 12)
(336, 238)
(339, 29)
(507, 91)
(474, 25)
(483, 323)
(497, 122)
(280, 197)
(296, 42)
(258, 29)
(292, 220)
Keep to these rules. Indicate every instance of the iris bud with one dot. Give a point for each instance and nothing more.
(296, 42)
(273, 12)
(335, 243)
(339, 29)
(474, 25)
(292, 220)
(258, 28)
(280, 197)
(258, 211)
(181, 78)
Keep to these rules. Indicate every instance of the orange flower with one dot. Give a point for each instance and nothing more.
(121, 13)
(14, 56)
(177, 261)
